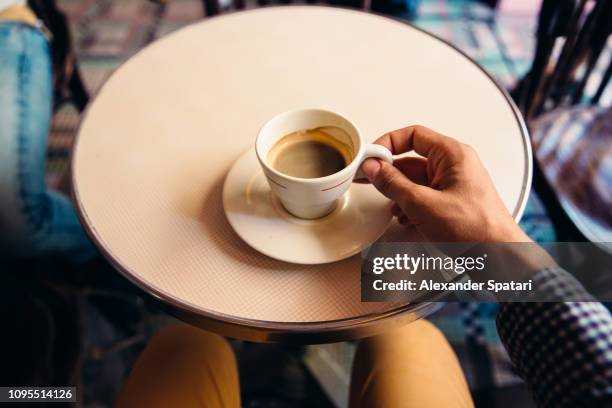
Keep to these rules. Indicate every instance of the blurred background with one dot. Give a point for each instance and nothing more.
(67, 323)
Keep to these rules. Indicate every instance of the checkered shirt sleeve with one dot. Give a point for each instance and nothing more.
(563, 350)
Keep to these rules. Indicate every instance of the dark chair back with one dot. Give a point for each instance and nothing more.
(214, 7)
(558, 78)
(67, 83)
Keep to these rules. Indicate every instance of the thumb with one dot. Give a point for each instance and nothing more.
(392, 183)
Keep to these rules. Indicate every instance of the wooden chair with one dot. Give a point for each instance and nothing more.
(559, 75)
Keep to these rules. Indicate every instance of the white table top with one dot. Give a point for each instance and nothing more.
(158, 140)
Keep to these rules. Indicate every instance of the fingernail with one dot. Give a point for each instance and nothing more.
(370, 168)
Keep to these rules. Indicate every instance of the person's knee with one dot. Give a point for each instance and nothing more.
(183, 366)
(399, 341)
(418, 329)
(183, 339)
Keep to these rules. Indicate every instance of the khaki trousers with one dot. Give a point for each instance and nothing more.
(412, 366)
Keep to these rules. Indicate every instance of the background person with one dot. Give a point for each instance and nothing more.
(33, 220)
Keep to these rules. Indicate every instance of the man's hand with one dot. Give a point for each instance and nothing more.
(446, 194)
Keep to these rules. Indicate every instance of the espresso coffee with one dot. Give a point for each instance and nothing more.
(310, 153)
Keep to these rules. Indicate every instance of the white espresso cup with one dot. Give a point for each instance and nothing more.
(311, 198)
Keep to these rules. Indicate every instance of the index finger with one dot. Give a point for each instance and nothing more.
(418, 138)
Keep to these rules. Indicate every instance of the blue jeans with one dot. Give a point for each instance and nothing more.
(33, 221)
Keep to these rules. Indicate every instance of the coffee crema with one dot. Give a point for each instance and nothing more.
(310, 153)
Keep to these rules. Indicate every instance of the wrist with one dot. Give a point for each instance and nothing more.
(509, 231)
(512, 261)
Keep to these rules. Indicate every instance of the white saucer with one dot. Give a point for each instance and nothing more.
(257, 216)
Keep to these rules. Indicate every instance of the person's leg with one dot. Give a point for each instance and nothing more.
(185, 367)
(33, 221)
(413, 366)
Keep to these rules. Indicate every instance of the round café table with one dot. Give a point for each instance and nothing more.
(155, 145)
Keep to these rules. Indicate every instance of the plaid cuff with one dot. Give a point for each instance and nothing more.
(562, 350)
(556, 285)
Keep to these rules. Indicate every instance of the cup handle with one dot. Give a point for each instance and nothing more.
(373, 151)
